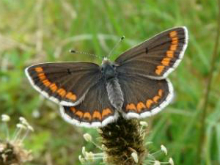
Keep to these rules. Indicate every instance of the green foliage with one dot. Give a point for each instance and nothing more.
(42, 31)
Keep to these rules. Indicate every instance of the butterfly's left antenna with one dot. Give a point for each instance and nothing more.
(116, 45)
(75, 52)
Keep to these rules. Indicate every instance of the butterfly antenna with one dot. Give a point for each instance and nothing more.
(116, 45)
(79, 52)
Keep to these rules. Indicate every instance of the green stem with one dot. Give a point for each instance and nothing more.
(207, 92)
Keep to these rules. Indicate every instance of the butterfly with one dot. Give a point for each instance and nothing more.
(135, 85)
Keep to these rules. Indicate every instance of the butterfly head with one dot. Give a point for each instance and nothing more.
(108, 69)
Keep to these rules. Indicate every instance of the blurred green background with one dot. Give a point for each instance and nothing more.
(44, 30)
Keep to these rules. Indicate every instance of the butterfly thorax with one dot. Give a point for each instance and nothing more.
(108, 69)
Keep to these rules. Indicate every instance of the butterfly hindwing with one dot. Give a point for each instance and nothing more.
(94, 111)
(144, 97)
(64, 83)
(156, 57)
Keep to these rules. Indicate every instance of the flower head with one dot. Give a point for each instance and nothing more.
(171, 161)
(5, 118)
(11, 149)
(164, 149)
(87, 137)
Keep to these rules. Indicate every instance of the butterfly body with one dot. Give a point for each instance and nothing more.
(109, 74)
(135, 85)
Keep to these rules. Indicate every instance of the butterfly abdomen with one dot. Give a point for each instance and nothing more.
(115, 94)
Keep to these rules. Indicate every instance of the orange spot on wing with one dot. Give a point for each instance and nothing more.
(156, 98)
(87, 116)
(175, 40)
(160, 92)
(106, 112)
(131, 107)
(173, 47)
(41, 76)
(73, 109)
(149, 103)
(53, 87)
(170, 53)
(140, 106)
(97, 115)
(173, 34)
(159, 69)
(166, 61)
(61, 92)
(46, 82)
(71, 96)
(39, 69)
(79, 113)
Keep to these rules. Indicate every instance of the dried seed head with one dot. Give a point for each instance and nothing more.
(13, 153)
(124, 142)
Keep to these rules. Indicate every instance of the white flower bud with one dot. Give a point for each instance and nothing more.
(164, 149)
(143, 123)
(135, 157)
(89, 156)
(5, 118)
(156, 162)
(81, 159)
(84, 151)
(171, 161)
(21, 126)
(87, 137)
(22, 119)
(30, 128)
(25, 123)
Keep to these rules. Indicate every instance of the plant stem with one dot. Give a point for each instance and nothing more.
(207, 92)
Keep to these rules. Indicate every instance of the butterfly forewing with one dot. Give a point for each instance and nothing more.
(64, 83)
(143, 96)
(156, 57)
(94, 111)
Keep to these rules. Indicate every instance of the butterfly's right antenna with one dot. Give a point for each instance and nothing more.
(78, 52)
(116, 45)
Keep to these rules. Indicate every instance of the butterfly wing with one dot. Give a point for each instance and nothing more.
(144, 97)
(64, 83)
(94, 111)
(156, 57)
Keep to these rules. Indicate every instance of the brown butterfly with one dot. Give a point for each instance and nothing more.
(135, 85)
